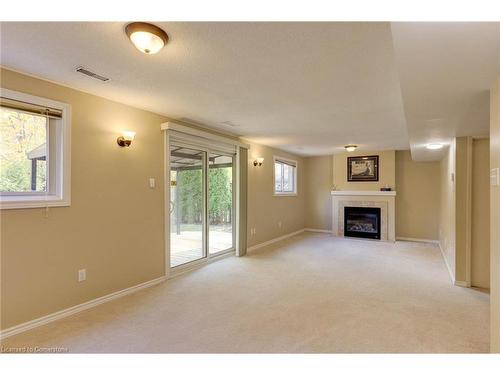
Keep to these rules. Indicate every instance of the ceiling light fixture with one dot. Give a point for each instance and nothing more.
(146, 37)
(434, 146)
(350, 148)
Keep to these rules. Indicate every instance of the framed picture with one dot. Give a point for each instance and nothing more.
(362, 168)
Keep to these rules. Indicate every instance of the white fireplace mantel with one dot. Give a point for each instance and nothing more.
(385, 200)
(363, 192)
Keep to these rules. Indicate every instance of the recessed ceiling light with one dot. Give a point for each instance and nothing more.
(146, 37)
(434, 146)
(350, 148)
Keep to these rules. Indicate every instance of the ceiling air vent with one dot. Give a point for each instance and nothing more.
(82, 70)
(229, 123)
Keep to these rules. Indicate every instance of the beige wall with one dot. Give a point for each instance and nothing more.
(463, 190)
(495, 218)
(114, 226)
(318, 186)
(447, 207)
(265, 210)
(480, 274)
(387, 160)
(417, 199)
(463, 216)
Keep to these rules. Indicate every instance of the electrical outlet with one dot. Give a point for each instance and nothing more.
(82, 275)
(280, 224)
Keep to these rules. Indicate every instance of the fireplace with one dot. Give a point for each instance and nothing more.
(362, 222)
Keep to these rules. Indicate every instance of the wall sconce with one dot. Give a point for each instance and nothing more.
(125, 139)
(258, 162)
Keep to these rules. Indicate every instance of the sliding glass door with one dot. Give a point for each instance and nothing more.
(201, 203)
(187, 205)
(220, 203)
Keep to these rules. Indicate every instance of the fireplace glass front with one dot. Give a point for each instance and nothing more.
(362, 222)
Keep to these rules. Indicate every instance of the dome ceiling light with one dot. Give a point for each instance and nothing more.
(147, 38)
(434, 146)
(350, 148)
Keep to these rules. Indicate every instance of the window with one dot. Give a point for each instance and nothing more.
(285, 176)
(34, 151)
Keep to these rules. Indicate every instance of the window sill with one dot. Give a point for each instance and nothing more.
(33, 201)
(285, 194)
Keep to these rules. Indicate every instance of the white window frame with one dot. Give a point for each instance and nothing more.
(296, 177)
(60, 178)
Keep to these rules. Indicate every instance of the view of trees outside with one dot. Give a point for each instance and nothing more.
(189, 207)
(21, 133)
(219, 201)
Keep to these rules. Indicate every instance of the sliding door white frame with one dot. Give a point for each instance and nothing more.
(206, 142)
(233, 205)
(204, 223)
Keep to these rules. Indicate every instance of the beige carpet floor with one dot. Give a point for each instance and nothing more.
(310, 293)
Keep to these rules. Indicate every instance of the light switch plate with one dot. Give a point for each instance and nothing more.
(152, 182)
(495, 177)
(82, 275)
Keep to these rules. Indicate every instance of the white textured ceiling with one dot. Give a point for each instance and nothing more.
(308, 88)
(445, 70)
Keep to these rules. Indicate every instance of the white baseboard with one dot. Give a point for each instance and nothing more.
(464, 284)
(75, 309)
(277, 239)
(417, 240)
(317, 230)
